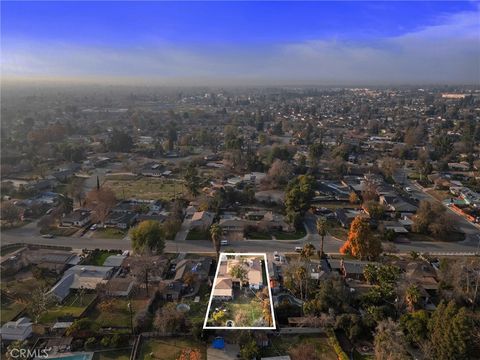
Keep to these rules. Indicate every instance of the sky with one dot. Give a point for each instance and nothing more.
(243, 43)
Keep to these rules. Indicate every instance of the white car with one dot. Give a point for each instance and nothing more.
(408, 189)
(223, 242)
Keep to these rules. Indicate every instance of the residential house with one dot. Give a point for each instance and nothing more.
(20, 329)
(121, 287)
(115, 261)
(349, 269)
(201, 220)
(78, 218)
(80, 277)
(121, 220)
(395, 203)
(199, 268)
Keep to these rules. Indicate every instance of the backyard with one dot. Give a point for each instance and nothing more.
(284, 344)
(74, 305)
(172, 349)
(9, 309)
(244, 311)
(123, 354)
(146, 188)
(118, 314)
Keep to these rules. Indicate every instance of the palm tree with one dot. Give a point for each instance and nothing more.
(412, 297)
(216, 234)
(322, 231)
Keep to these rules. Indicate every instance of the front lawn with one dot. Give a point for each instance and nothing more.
(109, 233)
(60, 231)
(98, 257)
(198, 235)
(281, 235)
(172, 349)
(118, 315)
(259, 235)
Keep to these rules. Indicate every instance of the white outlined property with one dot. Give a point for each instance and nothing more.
(241, 296)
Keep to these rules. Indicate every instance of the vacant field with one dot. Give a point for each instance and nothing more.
(146, 188)
(283, 344)
(73, 305)
(118, 315)
(172, 349)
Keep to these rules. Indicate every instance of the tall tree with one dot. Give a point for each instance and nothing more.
(389, 342)
(101, 201)
(192, 180)
(322, 227)
(450, 331)
(361, 243)
(148, 237)
(216, 234)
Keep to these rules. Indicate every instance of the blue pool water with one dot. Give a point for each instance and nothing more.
(82, 356)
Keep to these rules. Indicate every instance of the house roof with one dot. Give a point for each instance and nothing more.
(15, 330)
(114, 260)
(223, 287)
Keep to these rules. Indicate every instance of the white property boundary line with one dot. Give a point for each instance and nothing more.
(205, 327)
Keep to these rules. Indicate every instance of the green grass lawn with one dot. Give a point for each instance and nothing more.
(198, 235)
(119, 315)
(97, 258)
(147, 188)
(198, 310)
(281, 345)
(170, 349)
(259, 235)
(281, 235)
(109, 233)
(60, 231)
(123, 354)
(72, 306)
(10, 309)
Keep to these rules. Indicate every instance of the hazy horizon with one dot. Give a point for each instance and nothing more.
(241, 44)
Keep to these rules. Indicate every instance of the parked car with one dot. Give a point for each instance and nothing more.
(223, 242)
(298, 249)
(94, 227)
(48, 236)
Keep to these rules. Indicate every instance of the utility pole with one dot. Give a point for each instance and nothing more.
(131, 316)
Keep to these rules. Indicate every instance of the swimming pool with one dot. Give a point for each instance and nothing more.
(79, 356)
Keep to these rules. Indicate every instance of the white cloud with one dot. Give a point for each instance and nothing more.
(447, 52)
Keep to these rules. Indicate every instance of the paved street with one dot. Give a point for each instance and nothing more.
(29, 235)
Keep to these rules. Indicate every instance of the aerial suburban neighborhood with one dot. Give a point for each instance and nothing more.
(195, 219)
